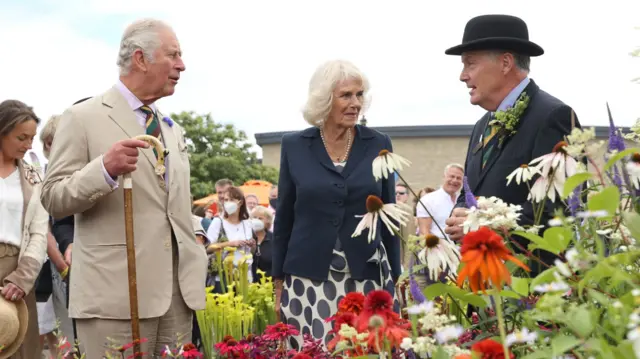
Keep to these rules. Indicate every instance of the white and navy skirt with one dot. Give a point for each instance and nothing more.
(306, 303)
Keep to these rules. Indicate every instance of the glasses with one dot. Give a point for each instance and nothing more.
(400, 193)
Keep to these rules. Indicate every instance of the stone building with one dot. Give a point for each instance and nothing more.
(429, 148)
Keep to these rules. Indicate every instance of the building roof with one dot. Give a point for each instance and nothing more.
(269, 138)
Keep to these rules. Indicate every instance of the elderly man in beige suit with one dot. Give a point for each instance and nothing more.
(91, 151)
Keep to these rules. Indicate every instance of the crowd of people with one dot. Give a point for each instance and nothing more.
(62, 227)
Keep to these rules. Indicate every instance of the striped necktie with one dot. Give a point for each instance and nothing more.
(487, 143)
(152, 125)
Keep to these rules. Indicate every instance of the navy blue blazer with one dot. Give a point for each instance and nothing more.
(317, 204)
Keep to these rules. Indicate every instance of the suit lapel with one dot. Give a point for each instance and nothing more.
(358, 150)
(27, 190)
(475, 171)
(121, 113)
(317, 148)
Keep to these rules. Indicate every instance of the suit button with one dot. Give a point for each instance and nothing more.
(340, 203)
(339, 185)
(335, 221)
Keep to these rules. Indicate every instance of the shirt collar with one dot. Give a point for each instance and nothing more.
(512, 97)
(132, 100)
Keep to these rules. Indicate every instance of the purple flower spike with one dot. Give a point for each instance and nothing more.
(469, 198)
(616, 142)
(574, 200)
(415, 291)
(168, 120)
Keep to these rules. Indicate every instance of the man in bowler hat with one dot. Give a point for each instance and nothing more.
(496, 55)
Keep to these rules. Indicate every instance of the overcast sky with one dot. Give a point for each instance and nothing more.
(249, 62)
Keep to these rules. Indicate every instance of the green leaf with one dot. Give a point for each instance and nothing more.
(440, 289)
(441, 354)
(509, 294)
(543, 278)
(539, 354)
(574, 181)
(607, 200)
(581, 321)
(555, 240)
(563, 343)
(599, 297)
(632, 221)
(520, 285)
(618, 156)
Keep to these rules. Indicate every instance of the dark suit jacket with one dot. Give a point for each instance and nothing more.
(544, 123)
(317, 205)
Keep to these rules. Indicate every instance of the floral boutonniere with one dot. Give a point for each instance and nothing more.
(31, 174)
(168, 120)
(507, 121)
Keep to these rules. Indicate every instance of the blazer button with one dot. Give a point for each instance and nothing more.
(340, 185)
(335, 221)
(340, 203)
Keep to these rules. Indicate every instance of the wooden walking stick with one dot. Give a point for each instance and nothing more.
(131, 250)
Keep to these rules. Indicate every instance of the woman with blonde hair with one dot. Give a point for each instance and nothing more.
(23, 220)
(325, 180)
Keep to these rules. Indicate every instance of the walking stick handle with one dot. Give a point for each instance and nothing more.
(160, 169)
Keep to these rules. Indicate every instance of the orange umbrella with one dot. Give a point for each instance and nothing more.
(258, 188)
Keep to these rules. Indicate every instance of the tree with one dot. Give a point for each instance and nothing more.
(219, 151)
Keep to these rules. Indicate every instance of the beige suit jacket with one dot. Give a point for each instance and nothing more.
(75, 185)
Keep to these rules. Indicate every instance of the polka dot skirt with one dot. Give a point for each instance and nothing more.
(306, 303)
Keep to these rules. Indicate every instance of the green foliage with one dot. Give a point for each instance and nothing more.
(219, 151)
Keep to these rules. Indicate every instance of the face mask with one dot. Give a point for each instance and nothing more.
(257, 224)
(273, 202)
(230, 207)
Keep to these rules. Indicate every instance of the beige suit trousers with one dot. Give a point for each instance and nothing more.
(175, 325)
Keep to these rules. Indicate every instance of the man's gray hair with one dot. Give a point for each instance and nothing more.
(453, 165)
(523, 62)
(140, 35)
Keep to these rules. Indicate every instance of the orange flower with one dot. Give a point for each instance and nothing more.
(462, 356)
(483, 252)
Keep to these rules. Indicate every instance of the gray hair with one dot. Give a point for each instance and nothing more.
(523, 62)
(321, 86)
(140, 35)
(49, 131)
(260, 210)
(453, 165)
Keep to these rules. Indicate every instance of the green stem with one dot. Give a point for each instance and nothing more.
(420, 202)
(503, 333)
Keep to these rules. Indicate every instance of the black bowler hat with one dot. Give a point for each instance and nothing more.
(496, 32)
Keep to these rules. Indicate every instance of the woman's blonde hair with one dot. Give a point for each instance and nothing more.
(321, 87)
(261, 210)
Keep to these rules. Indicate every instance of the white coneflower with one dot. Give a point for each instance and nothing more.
(449, 333)
(633, 168)
(557, 163)
(439, 254)
(377, 209)
(421, 308)
(520, 337)
(524, 173)
(387, 163)
(552, 287)
(562, 268)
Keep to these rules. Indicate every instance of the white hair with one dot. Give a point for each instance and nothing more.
(140, 35)
(321, 87)
(453, 165)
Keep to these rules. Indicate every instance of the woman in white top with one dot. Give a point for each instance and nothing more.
(23, 221)
(234, 225)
